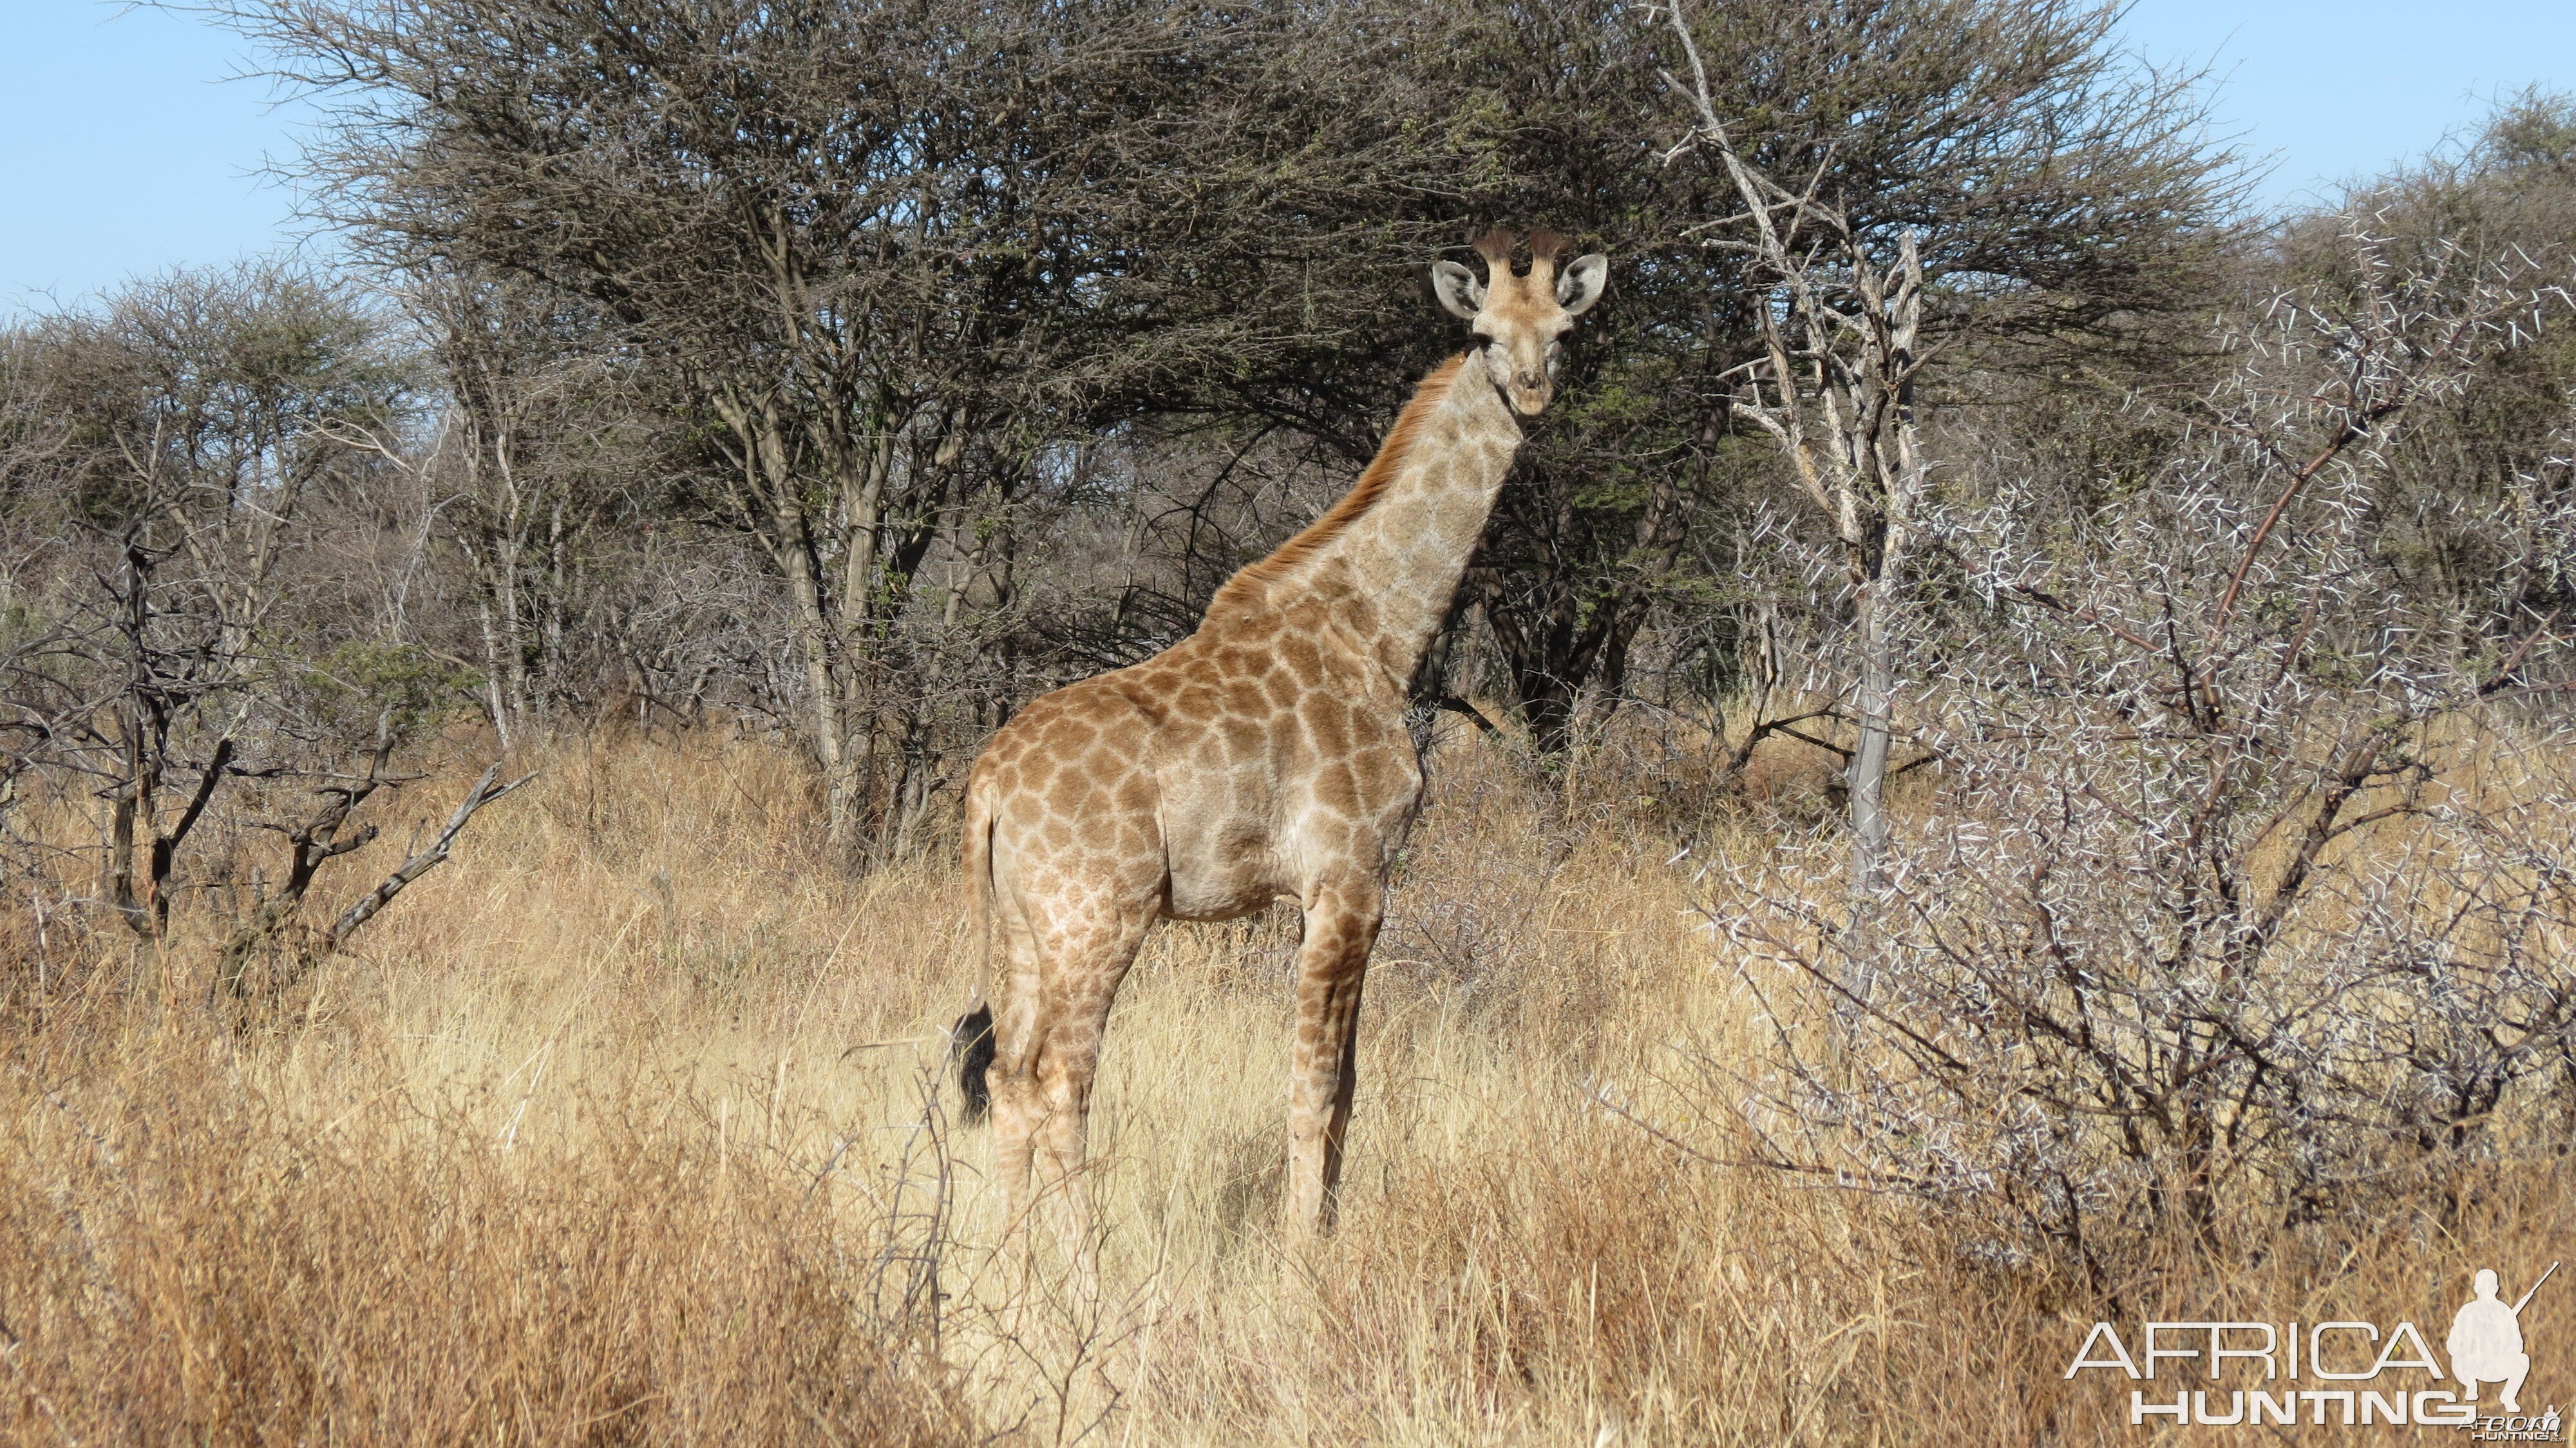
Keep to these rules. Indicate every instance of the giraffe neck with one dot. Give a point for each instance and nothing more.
(1403, 556)
(1383, 563)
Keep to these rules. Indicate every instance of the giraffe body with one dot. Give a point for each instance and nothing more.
(1262, 758)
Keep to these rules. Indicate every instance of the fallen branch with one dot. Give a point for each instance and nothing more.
(483, 793)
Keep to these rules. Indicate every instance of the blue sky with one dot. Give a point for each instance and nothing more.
(124, 149)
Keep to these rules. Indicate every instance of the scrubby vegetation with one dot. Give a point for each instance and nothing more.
(2004, 763)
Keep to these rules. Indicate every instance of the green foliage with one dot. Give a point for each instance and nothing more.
(409, 689)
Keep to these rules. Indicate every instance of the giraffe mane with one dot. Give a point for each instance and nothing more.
(1247, 586)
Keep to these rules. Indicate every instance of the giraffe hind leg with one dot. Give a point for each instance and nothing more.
(1083, 987)
(1046, 1042)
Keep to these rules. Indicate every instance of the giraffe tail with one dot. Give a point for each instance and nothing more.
(970, 1041)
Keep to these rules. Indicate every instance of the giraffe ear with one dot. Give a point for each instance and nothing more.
(1581, 284)
(1458, 290)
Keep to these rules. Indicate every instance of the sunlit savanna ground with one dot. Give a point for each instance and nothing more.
(621, 1128)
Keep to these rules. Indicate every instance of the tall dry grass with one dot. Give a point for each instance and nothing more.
(618, 1129)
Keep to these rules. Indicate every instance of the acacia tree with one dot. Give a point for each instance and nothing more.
(540, 441)
(761, 200)
(890, 251)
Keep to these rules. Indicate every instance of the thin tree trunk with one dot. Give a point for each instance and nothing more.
(1868, 780)
(830, 744)
(132, 803)
(493, 689)
(511, 547)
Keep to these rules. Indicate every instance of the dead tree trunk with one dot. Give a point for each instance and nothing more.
(1834, 387)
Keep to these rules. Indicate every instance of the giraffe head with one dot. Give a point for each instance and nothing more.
(1520, 320)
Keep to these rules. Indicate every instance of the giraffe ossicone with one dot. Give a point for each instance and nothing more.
(1264, 757)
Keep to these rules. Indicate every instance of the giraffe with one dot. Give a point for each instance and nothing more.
(1264, 757)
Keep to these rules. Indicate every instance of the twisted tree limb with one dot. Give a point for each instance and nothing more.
(484, 792)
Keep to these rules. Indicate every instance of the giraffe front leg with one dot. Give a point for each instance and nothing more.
(1332, 961)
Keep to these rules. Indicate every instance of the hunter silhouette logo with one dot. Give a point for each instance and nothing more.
(2486, 1340)
(2341, 1372)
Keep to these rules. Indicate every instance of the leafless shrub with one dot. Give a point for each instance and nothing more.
(2246, 895)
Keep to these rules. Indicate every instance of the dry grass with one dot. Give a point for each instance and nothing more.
(614, 1130)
